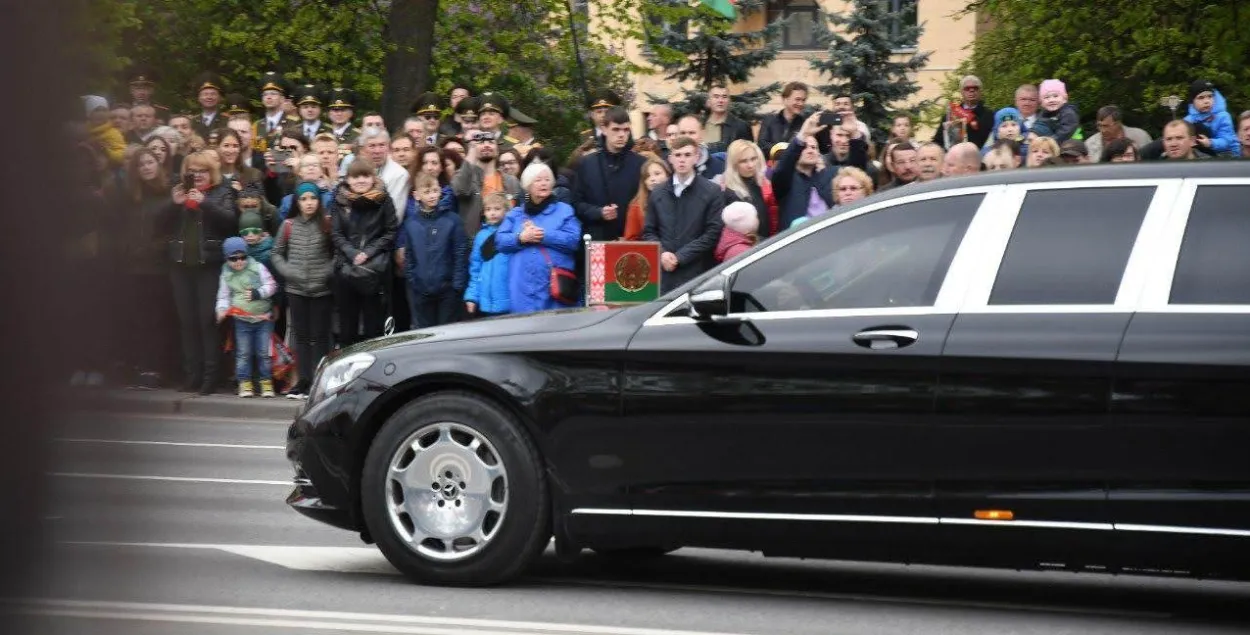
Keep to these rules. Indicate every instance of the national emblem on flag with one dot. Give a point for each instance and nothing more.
(622, 272)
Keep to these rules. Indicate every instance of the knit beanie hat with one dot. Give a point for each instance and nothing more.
(250, 219)
(233, 245)
(94, 102)
(1199, 87)
(741, 217)
(1053, 86)
(306, 187)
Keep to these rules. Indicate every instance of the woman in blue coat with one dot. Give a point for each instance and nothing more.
(538, 234)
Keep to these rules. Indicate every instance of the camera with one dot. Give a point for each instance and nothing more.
(477, 136)
(831, 119)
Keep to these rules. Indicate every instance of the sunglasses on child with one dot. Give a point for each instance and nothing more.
(237, 258)
(251, 231)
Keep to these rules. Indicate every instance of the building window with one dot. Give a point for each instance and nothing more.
(800, 30)
(904, 14)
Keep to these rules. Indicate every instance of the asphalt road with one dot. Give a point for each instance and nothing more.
(176, 525)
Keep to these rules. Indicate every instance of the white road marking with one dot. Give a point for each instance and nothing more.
(324, 620)
(180, 479)
(115, 417)
(177, 444)
(370, 560)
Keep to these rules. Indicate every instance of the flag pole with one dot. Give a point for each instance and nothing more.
(577, 52)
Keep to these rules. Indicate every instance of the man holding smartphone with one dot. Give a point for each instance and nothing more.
(479, 176)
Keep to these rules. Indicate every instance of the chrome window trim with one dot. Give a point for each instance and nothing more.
(947, 301)
(908, 520)
(1136, 272)
(1157, 290)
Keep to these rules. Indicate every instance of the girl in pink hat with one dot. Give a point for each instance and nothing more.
(1058, 114)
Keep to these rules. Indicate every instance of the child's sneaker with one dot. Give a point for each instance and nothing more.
(245, 389)
(266, 388)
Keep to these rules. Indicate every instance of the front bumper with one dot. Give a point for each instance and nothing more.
(321, 446)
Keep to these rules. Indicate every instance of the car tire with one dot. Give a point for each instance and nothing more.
(520, 531)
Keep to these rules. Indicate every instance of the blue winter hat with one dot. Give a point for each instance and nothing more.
(233, 245)
(306, 187)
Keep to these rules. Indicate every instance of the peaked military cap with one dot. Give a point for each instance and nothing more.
(273, 80)
(520, 118)
(342, 97)
(141, 75)
(205, 81)
(237, 104)
(493, 101)
(604, 98)
(428, 104)
(468, 105)
(309, 94)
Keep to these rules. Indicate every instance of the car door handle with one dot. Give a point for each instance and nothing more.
(877, 339)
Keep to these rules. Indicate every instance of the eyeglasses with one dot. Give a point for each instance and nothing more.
(430, 117)
(237, 258)
(290, 148)
(199, 171)
(251, 231)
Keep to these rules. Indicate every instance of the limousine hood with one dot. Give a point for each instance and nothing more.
(530, 323)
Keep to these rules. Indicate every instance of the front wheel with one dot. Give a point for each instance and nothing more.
(454, 493)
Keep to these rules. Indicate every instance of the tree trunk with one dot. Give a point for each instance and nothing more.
(410, 30)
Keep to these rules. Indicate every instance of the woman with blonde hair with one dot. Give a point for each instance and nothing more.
(850, 184)
(655, 172)
(745, 181)
(1041, 149)
(204, 214)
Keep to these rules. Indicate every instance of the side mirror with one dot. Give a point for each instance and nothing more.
(710, 299)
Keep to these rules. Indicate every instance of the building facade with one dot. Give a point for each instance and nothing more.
(946, 34)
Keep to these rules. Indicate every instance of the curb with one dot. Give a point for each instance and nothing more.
(170, 402)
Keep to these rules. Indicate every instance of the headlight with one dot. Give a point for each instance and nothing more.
(341, 372)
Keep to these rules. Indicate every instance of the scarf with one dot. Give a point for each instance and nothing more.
(534, 209)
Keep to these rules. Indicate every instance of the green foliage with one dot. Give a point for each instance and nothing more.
(697, 46)
(521, 49)
(1131, 54)
(861, 61)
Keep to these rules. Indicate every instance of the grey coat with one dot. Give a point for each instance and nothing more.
(305, 260)
(467, 186)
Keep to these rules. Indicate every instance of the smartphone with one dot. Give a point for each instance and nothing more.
(188, 182)
(831, 119)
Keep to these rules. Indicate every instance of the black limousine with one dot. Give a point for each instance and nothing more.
(1043, 368)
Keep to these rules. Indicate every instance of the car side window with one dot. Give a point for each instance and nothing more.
(1214, 262)
(891, 257)
(1071, 246)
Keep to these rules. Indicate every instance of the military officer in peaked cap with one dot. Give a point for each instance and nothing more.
(237, 104)
(141, 80)
(208, 89)
(491, 110)
(266, 131)
(342, 110)
(465, 114)
(521, 132)
(309, 99)
(601, 101)
(429, 109)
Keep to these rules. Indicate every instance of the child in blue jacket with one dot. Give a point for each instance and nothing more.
(1208, 108)
(487, 294)
(434, 251)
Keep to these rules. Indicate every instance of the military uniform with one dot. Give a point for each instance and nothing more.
(310, 94)
(344, 98)
(199, 123)
(265, 136)
(601, 98)
(142, 76)
(518, 118)
(494, 102)
(430, 104)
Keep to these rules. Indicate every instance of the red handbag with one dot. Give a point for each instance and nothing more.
(563, 282)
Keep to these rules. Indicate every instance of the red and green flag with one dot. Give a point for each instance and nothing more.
(723, 7)
(622, 272)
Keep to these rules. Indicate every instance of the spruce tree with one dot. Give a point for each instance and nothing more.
(861, 60)
(692, 43)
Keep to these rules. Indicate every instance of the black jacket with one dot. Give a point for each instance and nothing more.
(977, 135)
(212, 221)
(793, 189)
(775, 129)
(366, 224)
(605, 179)
(732, 130)
(689, 226)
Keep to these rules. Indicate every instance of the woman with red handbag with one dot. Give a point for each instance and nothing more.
(541, 235)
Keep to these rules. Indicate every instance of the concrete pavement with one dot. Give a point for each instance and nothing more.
(172, 524)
